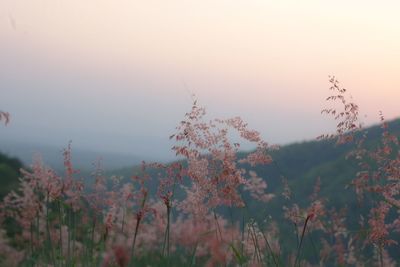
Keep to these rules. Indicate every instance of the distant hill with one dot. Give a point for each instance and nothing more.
(301, 164)
(14, 156)
(82, 159)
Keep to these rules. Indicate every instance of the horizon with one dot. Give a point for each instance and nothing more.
(120, 77)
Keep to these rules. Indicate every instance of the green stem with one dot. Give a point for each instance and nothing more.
(380, 256)
(218, 227)
(38, 233)
(73, 233)
(255, 242)
(139, 217)
(123, 220)
(168, 227)
(32, 246)
(134, 239)
(243, 226)
(193, 256)
(167, 231)
(301, 241)
(270, 249)
(92, 241)
(51, 256)
(60, 231)
(313, 245)
(69, 237)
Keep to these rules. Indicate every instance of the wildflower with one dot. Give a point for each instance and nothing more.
(379, 233)
(256, 186)
(9, 256)
(348, 122)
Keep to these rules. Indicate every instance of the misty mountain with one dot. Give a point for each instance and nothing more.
(81, 158)
(302, 164)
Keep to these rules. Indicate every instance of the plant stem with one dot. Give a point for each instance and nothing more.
(167, 230)
(270, 249)
(60, 231)
(38, 233)
(32, 246)
(123, 219)
(193, 257)
(73, 233)
(134, 238)
(380, 256)
(255, 242)
(218, 227)
(301, 241)
(92, 241)
(69, 237)
(52, 258)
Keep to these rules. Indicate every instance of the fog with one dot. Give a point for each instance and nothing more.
(118, 77)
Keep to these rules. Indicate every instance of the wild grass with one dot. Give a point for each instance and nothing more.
(55, 220)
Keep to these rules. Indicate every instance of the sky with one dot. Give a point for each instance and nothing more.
(119, 75)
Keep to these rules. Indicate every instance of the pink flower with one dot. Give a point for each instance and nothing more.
(315, 210)
(379, 230)
(257, 186)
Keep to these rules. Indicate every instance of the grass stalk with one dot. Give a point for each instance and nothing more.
(49, 243)
(134, 239)
(167, 231)
(301, 241)
(139, 217)
(270, 249)
(69, 237)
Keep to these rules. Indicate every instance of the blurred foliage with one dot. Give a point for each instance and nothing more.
(9, 173)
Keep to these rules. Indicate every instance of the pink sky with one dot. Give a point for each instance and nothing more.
(129, 67)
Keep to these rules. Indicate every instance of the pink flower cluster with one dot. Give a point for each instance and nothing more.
(175, 209)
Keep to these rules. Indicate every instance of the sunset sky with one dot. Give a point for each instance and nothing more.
(119, 75)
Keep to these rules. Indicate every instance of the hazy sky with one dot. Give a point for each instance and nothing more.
(118, 75)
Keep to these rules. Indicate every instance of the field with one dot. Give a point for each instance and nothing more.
(211, 207)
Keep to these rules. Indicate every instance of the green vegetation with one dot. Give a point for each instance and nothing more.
(9, 174)
(132, 211)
